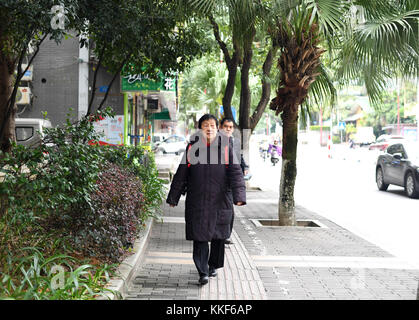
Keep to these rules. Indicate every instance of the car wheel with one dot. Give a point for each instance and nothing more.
(410, 186)
(379, 178)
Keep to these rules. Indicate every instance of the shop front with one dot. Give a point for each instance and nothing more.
(149, 107)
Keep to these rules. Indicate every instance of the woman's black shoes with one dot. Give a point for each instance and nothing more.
(212, 272)
(203, 279)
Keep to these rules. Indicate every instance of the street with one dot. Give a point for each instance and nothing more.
(343, 189)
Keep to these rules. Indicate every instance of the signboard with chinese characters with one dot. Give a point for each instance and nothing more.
(112, 130)
(138, 82)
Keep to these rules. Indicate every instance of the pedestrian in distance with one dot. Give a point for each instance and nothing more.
(208, 168)
(275, 147)
(227, 127)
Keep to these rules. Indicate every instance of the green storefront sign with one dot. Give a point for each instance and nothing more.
(138, 82)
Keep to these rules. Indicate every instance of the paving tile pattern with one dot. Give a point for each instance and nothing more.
(296, 241)
(266, 262)
(168, 271)
(339, 283)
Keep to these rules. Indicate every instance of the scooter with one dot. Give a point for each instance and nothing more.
(274, 157)
(263, 153)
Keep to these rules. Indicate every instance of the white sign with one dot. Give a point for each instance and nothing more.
(112, 130)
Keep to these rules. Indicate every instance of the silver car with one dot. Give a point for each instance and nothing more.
(399, 165)
(30, 130)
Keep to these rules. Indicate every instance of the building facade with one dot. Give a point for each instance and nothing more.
(60, 84)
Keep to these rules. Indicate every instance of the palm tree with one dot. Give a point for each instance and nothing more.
(384, 43)
(204, 84)
(370, 38)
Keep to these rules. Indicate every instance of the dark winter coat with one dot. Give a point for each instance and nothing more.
(209, 208)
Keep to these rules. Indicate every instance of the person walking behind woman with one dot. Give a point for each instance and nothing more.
(227, 128)
(207, 169)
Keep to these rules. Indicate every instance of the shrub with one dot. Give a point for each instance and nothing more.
(317, 128)
(67, 196)
(335, 139)
(116, 214)
(29, 274)
(143, 165)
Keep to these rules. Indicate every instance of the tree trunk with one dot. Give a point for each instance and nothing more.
(6, 71)
(266, 89)
(286, 206)
(232, 63)
(229, 90)
(245, 96)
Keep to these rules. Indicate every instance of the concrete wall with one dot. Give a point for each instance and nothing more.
(55, 84)
(55, 81)
(115, 99)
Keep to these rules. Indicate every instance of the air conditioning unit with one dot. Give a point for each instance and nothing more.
(23, 95)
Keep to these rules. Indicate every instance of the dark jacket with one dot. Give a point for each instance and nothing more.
(243, 164)
(208, 207)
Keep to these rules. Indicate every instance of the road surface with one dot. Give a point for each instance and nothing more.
(343, 190)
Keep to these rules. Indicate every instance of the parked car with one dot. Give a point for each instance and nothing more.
(399, 165)
(30, 130)
(173, 144)
(364, 136)
(384, 141)
(158, 137)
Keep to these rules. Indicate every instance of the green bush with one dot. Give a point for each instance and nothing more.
(29, 275)
(116, 215)
(143, 165)
(56, 196)
(317, 128)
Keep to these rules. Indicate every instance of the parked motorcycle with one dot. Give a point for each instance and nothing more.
(263, 153)
(274, 158)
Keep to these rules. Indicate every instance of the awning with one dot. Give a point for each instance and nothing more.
(168, 101)
(164, 115)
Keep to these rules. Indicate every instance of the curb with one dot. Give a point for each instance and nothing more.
(128, 266)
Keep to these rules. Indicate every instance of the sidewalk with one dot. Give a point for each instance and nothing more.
(292, 263)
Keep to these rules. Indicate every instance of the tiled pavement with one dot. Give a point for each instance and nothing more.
(287, 263)
(168, 271)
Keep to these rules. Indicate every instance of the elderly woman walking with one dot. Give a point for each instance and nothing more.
(208, 169)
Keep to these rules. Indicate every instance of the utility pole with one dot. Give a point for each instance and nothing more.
(321, 126)
(398, 107)
(417, 109)
(417, 106)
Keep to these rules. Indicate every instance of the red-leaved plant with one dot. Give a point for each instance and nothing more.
(116, 213)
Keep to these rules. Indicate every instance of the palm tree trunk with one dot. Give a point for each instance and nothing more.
(286, 206)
